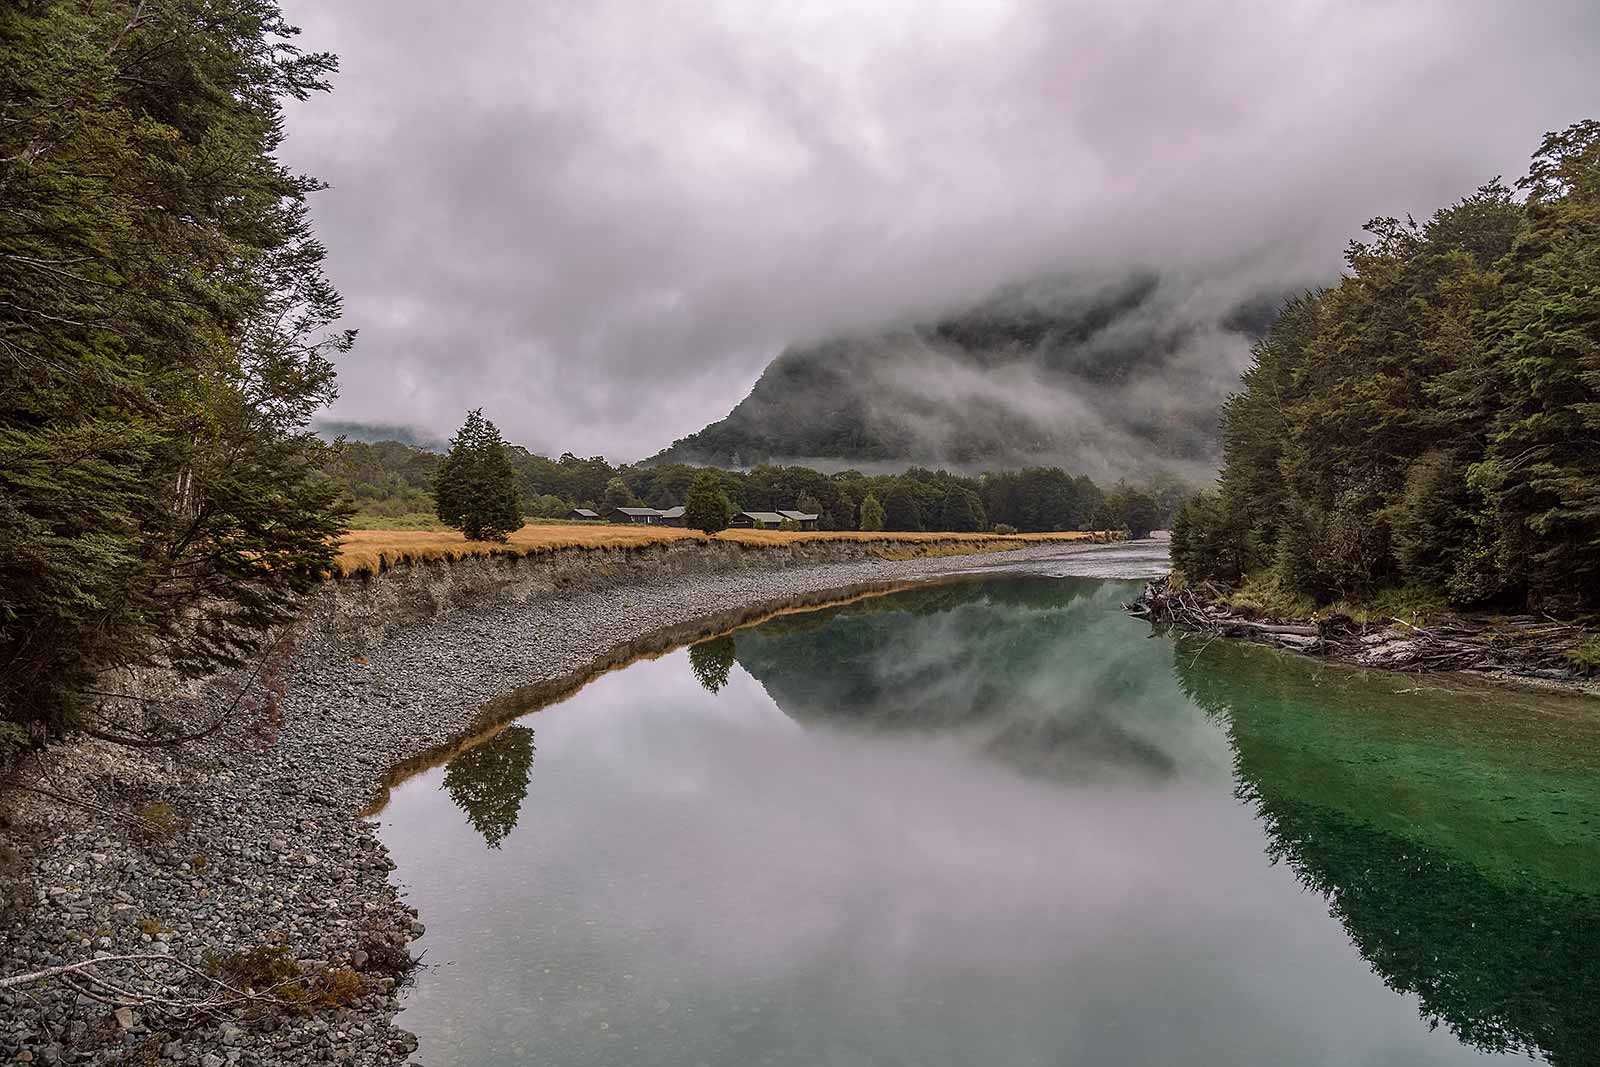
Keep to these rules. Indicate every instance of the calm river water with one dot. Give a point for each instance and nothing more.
(994, 822)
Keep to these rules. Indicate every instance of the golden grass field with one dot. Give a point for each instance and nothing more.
(371, 551)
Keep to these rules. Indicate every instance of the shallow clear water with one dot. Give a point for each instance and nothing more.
(996, 821)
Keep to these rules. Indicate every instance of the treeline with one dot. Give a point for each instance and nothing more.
(393, 479)
(1434, 419)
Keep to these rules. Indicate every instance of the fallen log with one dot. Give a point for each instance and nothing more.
(1519, 646)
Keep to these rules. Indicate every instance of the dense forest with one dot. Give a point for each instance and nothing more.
(1114, 378)
(1433, 420)
(166, 333)
(389, 481)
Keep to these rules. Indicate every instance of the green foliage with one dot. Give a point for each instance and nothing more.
(1134, 510)
(489, 781)
(707, 508)
(1434, 419)
(872, 514)
(1585, 656)
(1266, 593)
(163, 340)
(959, 511)
(256, 968)
(712, 661)
(1204, 540)
(476, 490)
(1004, 528)
(618, 495)
(902, 509)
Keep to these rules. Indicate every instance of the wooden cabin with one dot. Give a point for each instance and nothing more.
(636, 516)
(757, 520)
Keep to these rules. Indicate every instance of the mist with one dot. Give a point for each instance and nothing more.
(600, 222)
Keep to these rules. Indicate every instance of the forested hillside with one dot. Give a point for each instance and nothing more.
(1434, 419)
(1113, 380)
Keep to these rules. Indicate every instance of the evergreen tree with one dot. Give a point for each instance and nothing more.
(872, 517)
(956, 512)
(164, 331)
(707, 509)
(476, 489)
(901, 508)
(712, 661)
(489, 782)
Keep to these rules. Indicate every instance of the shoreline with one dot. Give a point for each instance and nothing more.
(243, 849)
(1508, 654)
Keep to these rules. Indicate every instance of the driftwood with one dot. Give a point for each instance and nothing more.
(1520, 644)
(216, 998)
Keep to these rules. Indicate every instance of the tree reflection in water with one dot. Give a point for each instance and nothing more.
(1494, 928)
(711, 661)
(489, 782)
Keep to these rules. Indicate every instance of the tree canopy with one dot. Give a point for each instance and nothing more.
(1433, 419)
(164, 338)
(707, 508)
(475, 490)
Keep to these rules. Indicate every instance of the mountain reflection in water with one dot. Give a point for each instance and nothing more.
(998, 821)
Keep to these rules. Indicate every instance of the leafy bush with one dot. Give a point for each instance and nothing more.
(707, 508)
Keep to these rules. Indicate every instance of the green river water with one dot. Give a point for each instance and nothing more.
(996, 821)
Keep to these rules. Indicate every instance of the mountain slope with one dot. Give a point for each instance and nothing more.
(1103, 379)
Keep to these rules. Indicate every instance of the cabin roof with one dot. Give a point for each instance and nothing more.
(798, 516)
(763, 516)
(673, 513)
(583, 511)
(638, 511)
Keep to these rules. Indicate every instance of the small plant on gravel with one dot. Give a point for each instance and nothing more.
(337, 988)
(256, 968)
(199, 863)
(152, 927)
(1585, 656)
(159, 819)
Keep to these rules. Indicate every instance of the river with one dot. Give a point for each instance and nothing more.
(995, 821)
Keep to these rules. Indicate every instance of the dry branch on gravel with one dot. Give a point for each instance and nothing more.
(213, 997)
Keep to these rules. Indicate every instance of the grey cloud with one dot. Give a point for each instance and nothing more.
(600, 220)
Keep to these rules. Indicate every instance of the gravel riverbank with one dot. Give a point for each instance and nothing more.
(252, 864)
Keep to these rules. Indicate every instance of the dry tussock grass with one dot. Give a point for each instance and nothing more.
(372, 551)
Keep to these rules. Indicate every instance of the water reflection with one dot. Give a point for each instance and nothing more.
(1457, 845)
(997, 822)
(489, 781)
(984, 659)
(711, 661)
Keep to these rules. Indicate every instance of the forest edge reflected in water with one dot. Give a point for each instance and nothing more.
(1502, 958)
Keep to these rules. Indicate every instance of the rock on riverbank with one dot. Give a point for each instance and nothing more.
(1522, 648)
(250, 861)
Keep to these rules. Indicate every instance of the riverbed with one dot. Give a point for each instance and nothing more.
(995, 820)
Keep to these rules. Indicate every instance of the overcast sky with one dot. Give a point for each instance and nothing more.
(598, 221)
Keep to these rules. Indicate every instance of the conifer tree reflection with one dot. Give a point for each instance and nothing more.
(1497, 946)
(711, 661)
(489, 782)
